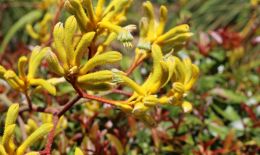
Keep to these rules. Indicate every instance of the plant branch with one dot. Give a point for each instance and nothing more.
(135, 64)
(69, 105)
(28, 101)
(47, 150)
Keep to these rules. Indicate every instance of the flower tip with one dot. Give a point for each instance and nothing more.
(186, 106)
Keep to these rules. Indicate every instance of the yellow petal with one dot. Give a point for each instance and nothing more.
(36, 57)
(13, 79)
(178, 39)
(45, 84)
(150, 100)
(97, 86)
(149, 10)
(8, 133)
(173, 32)
(21, 66)
(33, 153)
(96, 77)
(12, 114)
(78, 151)
(123, 79)
(2, 71)
(163, 19)
(104, 58)
(87, 4)
(54, 63)
(80, 15)
(82, 47)
(156, 74)
(186, 106)
(139, 109)
(2, 150)
(31, 32)
(58, 36)
(99, 8)
(32, 124)
(178, 87)
(69, 31)
(195, 75)
(36, 135)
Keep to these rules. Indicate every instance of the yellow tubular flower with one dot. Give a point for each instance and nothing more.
(58, 36)
(35, 60)
(162, 21)
(31, 32)
(42, 31)
(2, 71)
(148, 7)
(156, 74)
(21, 66)
(75, 8)
(119, 77)
(33, 153)
(8, 132)
(31, 125)
(54, 63)
(78, 151)
(87, 4)
(173, 32)
(2, 150)
(123, 35)
(7, 146)
(96, 77)
(105, 58)
(99, 8)
(14, 80)
(186, 106)
(46, 85)
(82, 46)
(36, 135)
(104, 86)
(100, 18)
(69, 30)
(12, 114)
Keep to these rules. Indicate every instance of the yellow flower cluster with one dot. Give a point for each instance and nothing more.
(79, 48)
(152, 31)
(41, 29)
(7, 145)
(103, 20)
(70, 50)
(69, 55)
(32, 125)
(23, 81)
(168, 68)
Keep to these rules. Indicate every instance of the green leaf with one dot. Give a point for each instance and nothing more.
(228, 95)
(229, 113)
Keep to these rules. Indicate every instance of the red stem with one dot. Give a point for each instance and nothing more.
(68, 105)
(47, 150)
